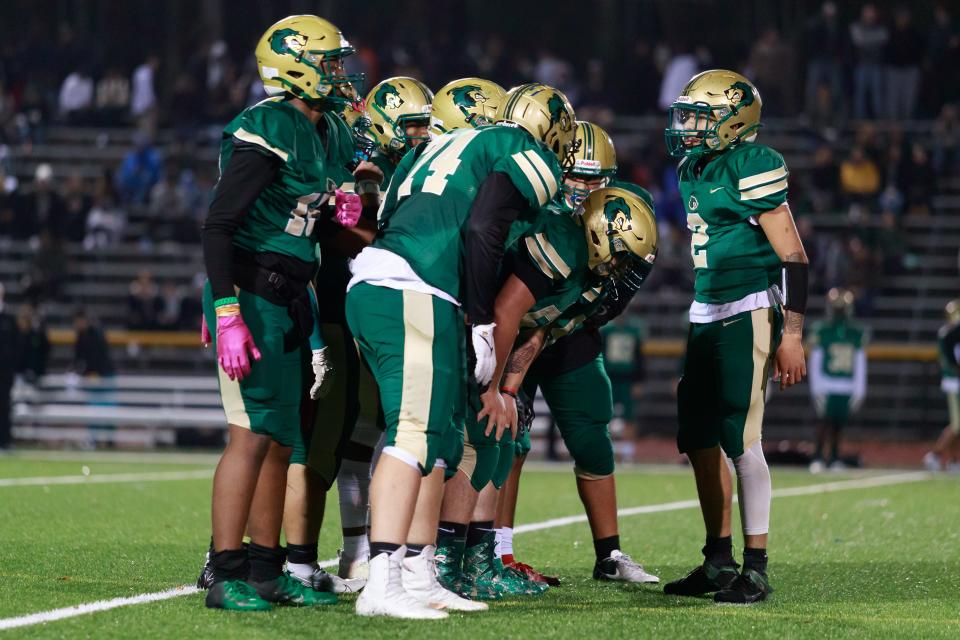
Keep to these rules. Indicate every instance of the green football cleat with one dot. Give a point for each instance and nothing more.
(519, 583)
(707, 578)
(749, 587)
(487, 573)
(288, 591)
(235, 595)
(449, 559)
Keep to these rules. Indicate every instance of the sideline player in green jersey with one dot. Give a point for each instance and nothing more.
(572, 354)
(260, 254)
(444, 224)
(396, 118)
(572, 378)
(948, 342)
(751, 281)
(624, 364)
(838, 374)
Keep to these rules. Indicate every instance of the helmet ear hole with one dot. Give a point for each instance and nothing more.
(295, 74)
(594, 237)
(379, 128)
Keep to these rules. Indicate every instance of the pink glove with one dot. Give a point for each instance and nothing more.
(205, 338)
(348, 208)
(233, 341)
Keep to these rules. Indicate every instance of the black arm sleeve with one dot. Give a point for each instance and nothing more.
(245, 176)
(497, 205)
(950, 342)
(539, 284)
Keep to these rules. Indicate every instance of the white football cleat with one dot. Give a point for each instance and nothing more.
(384, 594)
(353, 568)
(320, 580)
(420, 581)
(817, 466)
(932, 461)
(621, 567)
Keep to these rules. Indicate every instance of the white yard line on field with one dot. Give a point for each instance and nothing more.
(107, 478)
(806, 490)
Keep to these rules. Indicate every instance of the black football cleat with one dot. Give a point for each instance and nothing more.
(750, 587)
(707, 578)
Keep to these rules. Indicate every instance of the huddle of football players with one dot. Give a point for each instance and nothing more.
(473, 242)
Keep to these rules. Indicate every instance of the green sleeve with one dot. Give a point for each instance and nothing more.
(268, 126)
(532, 168)
(761, 179)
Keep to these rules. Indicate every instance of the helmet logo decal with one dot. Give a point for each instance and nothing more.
(617, 212)
(739, 94)
(387, 97)
(468, 96)
(558, 113)
(288, 41)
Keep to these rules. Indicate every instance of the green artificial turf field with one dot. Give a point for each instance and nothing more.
(857, 561)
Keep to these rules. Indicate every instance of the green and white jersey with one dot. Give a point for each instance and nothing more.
(427, 205)
(949, 352)
(556, 246)
(736, 268)
(282, 218)
(838, 360)
(621, 349)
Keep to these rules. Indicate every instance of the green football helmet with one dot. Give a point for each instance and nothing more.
(392, 106)
(717, 109)
(840, 303)
(468, 102)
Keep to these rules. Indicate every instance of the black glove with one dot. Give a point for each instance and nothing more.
(525, 414)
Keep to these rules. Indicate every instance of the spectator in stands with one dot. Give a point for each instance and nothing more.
(186, 105)
(76, 208)
(946, 141)
(76, 96)
(141, 169)
(165, 208)
(869, 39)
(827, 43)
(33, 343)
(92, 353)
(943, 56)
(106, 221)
(9, 204)
(682, 65)
(598, 100)
(822, 180)
(143, 102)
(905, 53)
(862, 274)
(9, 355)
(144, 304)
(171, 298)
(919, 181)
(771, 67)
(42, 206)
(859, 177)
(46, 270)
(113, 98)
(891, 245)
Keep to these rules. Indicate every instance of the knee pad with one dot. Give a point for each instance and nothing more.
(755, 491)
(591, 450)
(505, 460)
(479, 463)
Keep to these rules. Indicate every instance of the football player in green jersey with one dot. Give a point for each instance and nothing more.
(444, 224)
(623, 362)
(573, 355)
(620, 229)
(948, 343)
(751, 283)
(838, 374)
(260, 251)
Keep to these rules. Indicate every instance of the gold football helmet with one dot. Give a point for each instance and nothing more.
(840, 302)
(546, 114)
(621, 233)
(593, 158)
(468, 102)
(716, 109)
(303, 55)
(392, 106)
(952, 311)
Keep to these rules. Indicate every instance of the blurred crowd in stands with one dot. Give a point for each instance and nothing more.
(874, 70)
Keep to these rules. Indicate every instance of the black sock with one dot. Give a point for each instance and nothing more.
(451, 531)
(376, 548)
(229, 564)
(302, 553)
(265, 563)
(603, 547)
(414, 549)
(719, 551)
(477, 531)
(755, 559)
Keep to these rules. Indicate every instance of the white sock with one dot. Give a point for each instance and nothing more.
(755, 491)
(301, 570)
(504, 542)
(356, 547)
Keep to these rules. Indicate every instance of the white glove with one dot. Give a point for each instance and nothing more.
(322, 374)
(482, 335)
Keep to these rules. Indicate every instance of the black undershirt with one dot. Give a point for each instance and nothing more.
(249, 170)
(497, 204)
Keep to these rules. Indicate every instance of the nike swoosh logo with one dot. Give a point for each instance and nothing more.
(445, 530)
(715, 190)
(727, 324)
